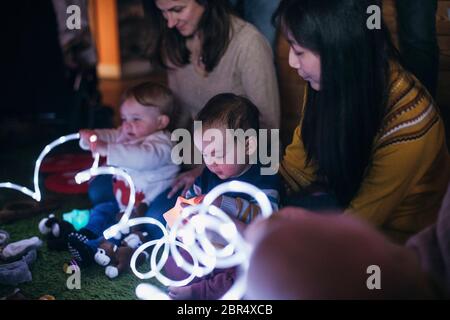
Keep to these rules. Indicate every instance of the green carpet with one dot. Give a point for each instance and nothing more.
(17, 166)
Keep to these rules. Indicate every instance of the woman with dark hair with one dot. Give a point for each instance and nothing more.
(206, 50)
(370, 135)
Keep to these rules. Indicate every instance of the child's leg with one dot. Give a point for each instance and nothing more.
(100, 190)
(102, 217)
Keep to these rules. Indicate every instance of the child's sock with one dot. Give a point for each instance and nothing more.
(19, 248)
(80, 250)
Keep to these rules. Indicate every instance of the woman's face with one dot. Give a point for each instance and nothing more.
(185, 15)
(305, 62)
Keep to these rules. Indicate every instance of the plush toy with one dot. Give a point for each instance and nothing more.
(56, 232)
(117, 259)
(173, 214)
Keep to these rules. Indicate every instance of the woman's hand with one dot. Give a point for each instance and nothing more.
(185, 181)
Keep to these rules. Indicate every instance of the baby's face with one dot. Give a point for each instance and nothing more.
(139, 121)
(221, 155)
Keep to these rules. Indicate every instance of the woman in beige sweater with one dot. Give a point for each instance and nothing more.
(206, 51)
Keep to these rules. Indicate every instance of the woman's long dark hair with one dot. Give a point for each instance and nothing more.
(168, 46)
(342, 119)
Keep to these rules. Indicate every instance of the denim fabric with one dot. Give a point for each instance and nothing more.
(101, 190)
(102, 216)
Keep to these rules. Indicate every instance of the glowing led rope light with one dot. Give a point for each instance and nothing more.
(192, 232)
(122, 225)
(36, 194)
(209, 217)
(179, 260)
(125, 223)
(228, 230)
(163, 279)
(240, 187)
(148, 220)
(146, 291)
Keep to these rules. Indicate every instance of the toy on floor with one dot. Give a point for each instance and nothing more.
(117, 259)
(17, 249)
(173, 214)
(78, 218)
(56, 232)
(73, 264)
(18, 256)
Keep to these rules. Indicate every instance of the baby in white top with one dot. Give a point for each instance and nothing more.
(141, 145)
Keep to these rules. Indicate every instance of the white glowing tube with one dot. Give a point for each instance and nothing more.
(154, 270)
(193, 236)
(146, 291)
(85, 175)
(36, 194)
(28, 192)
(240, 187)
(209, 263)
(193, 233)
(148, 220)
(237, 291)
(163, 279)
(96, 161)
(93, 139)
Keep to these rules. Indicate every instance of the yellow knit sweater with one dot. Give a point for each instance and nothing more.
(409, 169)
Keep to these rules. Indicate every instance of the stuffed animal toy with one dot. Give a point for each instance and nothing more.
(117, 259)
(173, 214)
(56, 232)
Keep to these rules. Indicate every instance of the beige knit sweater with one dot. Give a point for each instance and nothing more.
(247, 68)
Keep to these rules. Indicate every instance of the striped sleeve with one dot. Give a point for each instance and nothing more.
(247, 210)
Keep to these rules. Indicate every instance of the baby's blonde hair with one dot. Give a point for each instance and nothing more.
(152, 94)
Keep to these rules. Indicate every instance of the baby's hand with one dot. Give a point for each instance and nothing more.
(85, 134)
(99, 147)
